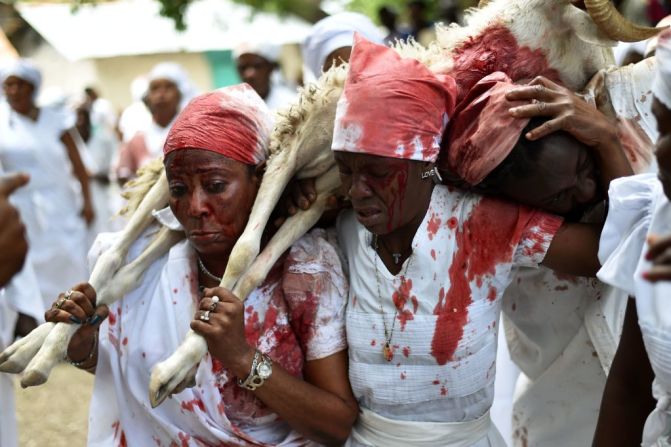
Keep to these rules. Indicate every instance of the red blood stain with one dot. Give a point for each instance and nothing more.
(491, 296)
(373, 342)
(400, 297)
(434, 225)
(452, 223)
(175, 290)
(486, 239)
(112, 318)
(124, 341)
(406, 351)
(221, 408)
(403, 376)
(443, 391)
(184, 439)
(496, 49)
(436, 382)
(190, 405)
(433, 254)
(120, 434)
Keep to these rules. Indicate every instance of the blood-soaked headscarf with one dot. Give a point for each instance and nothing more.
(661, 86)
(392, 107)
(482, 132)
(232, 121)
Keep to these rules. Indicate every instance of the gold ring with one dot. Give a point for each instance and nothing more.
(59, 304)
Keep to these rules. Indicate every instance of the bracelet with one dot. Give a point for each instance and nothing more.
(94, 351)
(252, 372)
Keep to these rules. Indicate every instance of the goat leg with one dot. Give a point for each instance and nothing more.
(281, 168)
(178, 370)
(56, 343)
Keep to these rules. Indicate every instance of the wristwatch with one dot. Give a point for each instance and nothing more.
(262, 369)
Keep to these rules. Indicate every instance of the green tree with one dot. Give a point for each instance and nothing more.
(310, 10)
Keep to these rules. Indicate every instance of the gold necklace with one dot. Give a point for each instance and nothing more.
(387, 351)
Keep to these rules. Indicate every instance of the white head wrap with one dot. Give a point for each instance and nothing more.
(335, 32)
(661, 86)
(175, 73)
(26, 70)
(268, 51)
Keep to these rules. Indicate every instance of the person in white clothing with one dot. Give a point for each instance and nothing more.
(636, 405)
(257, 65)
(276, 372)
(168, 92)
(428, 264)
(330, 41)
(56, 205)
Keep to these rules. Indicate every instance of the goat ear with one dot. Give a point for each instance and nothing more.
(585, 28)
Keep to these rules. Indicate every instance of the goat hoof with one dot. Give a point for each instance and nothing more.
(11, 366)
(33, 378)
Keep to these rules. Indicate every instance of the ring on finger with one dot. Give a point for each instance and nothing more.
(215, 301)
(59, 304)
(204, 315)
(68, 294)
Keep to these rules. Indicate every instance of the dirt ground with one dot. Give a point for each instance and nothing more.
(56, 413)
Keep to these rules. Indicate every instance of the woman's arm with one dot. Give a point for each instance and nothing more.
(569, 112)
(627, 400)
(574, 250)
(321, 407)
(80, 173)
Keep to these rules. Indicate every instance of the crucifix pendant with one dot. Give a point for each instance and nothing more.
(387, 352)
(397, 257)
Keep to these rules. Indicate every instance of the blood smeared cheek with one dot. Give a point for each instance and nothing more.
(392, 191)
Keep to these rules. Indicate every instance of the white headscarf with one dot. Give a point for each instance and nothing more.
(177, 75)
(26, 70)
(661, 86)
(268, 51)
(335, 32)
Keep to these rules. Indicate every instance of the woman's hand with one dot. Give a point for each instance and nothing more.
(567, 111)
(78, 305)
(224, 331)
(660, 255)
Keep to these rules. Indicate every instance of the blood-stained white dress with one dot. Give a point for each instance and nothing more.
(445, 306)
(296, 315)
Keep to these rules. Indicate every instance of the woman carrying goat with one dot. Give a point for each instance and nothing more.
(276, 372)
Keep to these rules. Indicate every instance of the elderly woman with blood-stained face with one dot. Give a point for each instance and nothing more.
(428, 263)
(276, 373)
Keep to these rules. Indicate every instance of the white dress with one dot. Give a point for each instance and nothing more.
(296, 315)
(547, 321)
(444, 305)
(639, 208)
(51, 203)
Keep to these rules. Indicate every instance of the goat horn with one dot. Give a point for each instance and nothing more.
(614, 25)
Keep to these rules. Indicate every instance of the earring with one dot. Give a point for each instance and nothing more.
(433, 174)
